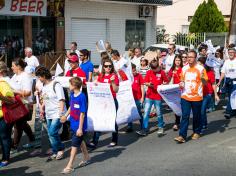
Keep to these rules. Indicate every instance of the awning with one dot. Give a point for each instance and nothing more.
(147, 2)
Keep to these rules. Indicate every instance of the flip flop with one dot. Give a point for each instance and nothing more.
(67, 170)
(84, 163)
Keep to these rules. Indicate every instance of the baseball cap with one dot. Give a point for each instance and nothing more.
(73, 58)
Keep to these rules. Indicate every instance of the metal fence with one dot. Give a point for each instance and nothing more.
(194, 38)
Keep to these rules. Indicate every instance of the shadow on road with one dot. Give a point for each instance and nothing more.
(20, 171)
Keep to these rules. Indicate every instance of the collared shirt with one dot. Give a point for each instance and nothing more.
(229, 68)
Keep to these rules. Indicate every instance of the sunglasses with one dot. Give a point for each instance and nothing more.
(107, 66)
(184, 56)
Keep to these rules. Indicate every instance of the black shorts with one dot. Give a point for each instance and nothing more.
(76, 140)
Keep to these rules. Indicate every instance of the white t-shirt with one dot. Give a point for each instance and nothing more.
(51, 99)
(217, 68)
(32, 61)
(229, 68)
(169, 62)
(136, 61)
(23, 81)
(123, 64)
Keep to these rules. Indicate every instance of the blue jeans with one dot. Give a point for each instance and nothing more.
(186, 107)
(97, 134)
(205, 102)
(5, 139)
(230, 88)
(54, 126)
(139, 107)
(148, 106)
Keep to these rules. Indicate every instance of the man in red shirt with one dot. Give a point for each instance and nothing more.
(138, 93)
(153, 79)
(75, 70)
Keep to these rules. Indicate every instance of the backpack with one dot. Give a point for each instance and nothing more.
(66, 93)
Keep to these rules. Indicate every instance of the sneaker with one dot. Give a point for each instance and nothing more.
(160, 131)
(3, 164)
(175, 127)
(195, 136)
(60, 155)
(224, 107)
(13, 151)
(180, 139)
(27, 146)
(52, 157)
(91, 145)
(227, 116)
(142, 132)
(129, 130)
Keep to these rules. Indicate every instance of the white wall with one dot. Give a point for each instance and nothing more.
(116, 14)
(173, 17)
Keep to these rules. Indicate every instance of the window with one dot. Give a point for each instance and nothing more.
(43, 30)
(135, 34)
(185, 29)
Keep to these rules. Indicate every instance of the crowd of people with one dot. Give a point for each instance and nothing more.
(201, 84)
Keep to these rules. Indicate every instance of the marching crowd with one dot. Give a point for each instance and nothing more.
(32, 89)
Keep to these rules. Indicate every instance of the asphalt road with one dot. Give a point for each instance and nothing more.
(214, 154)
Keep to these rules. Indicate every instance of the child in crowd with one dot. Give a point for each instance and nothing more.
(78, 124)
(138, 93)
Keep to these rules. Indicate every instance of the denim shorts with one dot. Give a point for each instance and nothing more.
(76, 140)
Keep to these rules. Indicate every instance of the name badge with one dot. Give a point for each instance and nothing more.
(106, 80)
(76, 106)
(158, 75)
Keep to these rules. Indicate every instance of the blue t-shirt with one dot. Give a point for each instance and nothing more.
(77, 105)
(87, 67)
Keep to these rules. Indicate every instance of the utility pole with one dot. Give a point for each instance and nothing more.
(232, 26)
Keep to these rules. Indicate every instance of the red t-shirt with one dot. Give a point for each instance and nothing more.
(106, 79)
(176, 76)
(78, 72)
(136, 86)
(208, 89)
(156, 78)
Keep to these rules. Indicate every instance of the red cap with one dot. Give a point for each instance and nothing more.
(73, 58)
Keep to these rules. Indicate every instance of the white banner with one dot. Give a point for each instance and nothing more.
(23, 7)
(233, 100)
(64, 80)
(127, 111)
(171, 94)
(101, 110)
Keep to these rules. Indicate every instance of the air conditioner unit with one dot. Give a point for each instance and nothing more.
(145, 11)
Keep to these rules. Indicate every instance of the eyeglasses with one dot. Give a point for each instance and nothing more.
(184, 56)
(169, 48)
(81, 55)
(107, 66)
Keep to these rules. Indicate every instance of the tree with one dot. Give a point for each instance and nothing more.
(208, 18)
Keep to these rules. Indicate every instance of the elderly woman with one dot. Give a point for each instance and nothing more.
(6, 95)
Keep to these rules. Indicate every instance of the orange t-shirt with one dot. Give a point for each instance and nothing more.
(193, 87)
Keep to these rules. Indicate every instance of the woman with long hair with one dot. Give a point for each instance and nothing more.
(23, 87)
(174, 77)
(108, 75)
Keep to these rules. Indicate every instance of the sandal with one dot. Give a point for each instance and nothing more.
(112, 144)
(67, 170)
(84, 163)
(60, 155)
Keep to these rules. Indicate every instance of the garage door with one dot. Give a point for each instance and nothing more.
(86, 32)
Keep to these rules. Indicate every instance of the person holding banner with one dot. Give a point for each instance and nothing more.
(153, 79)
(193, 77)
(174, 77)
(108, 75)
(78, 123)
(228, 71)
(138, 93)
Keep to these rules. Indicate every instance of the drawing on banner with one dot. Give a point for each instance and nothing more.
(171, 94)
(101, 114)
(127, 110)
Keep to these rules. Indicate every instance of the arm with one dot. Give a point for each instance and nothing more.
(204, 77)
(22, 93)
(81, 124)
(143, 93)
(221, 78)
(90, 77)
(6, 99)
(215, 93)
(64, 117)
(61, 106)
(113, 84)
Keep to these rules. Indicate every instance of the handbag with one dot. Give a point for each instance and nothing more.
(15, 111)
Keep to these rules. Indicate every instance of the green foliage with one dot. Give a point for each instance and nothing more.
(207, 18)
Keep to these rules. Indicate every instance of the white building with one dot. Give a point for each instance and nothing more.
(176, 18)
(116, 21)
